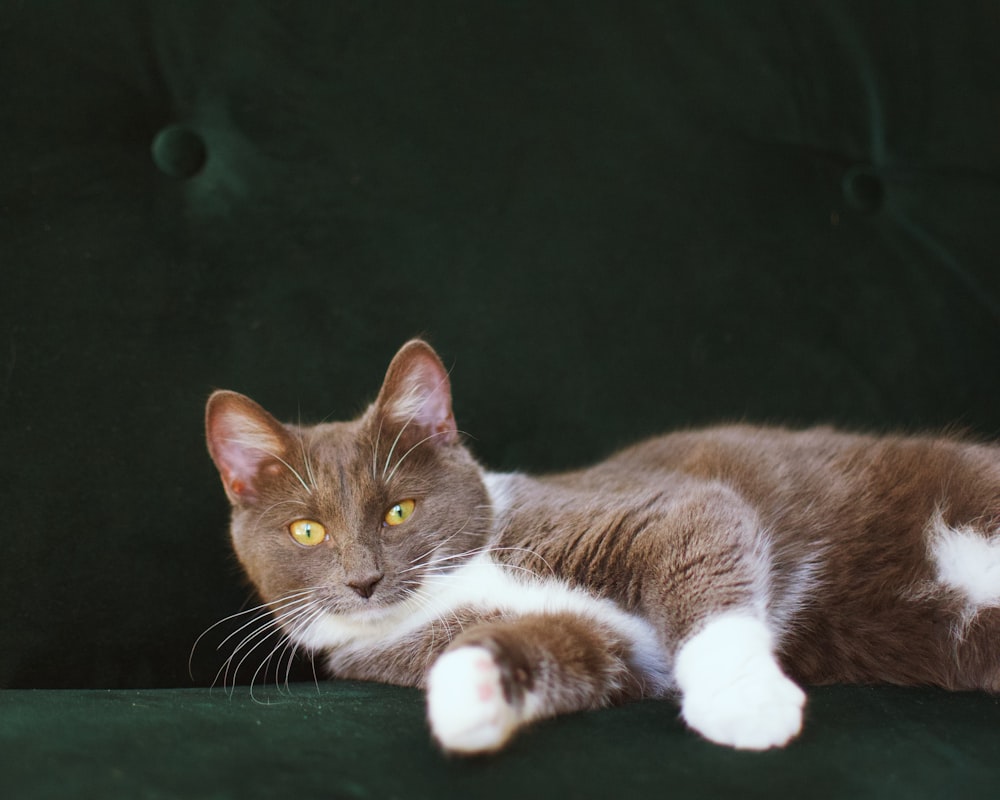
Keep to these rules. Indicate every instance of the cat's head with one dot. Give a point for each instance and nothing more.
(355, 515)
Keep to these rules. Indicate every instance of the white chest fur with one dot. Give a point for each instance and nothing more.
(483, 585)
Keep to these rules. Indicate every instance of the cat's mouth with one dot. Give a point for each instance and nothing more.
(380, 605)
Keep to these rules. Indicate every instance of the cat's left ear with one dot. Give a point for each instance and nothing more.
(416, 394)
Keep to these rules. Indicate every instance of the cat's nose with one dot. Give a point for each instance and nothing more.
(364, 585)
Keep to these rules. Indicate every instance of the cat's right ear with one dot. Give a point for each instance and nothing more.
(244, 442)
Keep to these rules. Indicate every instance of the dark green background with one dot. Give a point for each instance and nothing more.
(612, 219)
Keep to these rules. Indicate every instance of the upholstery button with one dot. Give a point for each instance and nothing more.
(863, 189)
(179, 152)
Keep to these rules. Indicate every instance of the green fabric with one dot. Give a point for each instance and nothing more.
(610, 218)
(362, 740)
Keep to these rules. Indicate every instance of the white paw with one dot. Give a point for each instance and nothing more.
(759, 709)
(732, 690)
(465, 702)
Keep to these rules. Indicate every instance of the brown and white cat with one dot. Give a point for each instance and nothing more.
(717, 566)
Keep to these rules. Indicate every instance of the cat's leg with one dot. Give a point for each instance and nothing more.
(711, 588)
(498, 677)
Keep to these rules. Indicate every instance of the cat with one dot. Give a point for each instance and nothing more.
(723, 567)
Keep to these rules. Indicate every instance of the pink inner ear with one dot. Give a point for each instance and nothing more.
(240, 442)
(424, 399)
(239, 465)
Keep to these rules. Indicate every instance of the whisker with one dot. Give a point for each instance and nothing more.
(424, 600)
(378, 440)
(438, 545)
(312, 661)
(296, 634)
(443, 572)
(288, 653)
(307, 461)
(260, 517)
(263, 633)
(267, 621)
(300, 598)
(451, 557)
(266, 630)
(403, 457)
(413, 416)
(280, 603)
(276, 458)
(309, 611)
(429, 602)
(527, 550)
(395, 441)
(438, 560)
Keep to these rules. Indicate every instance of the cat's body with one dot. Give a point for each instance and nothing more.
(707, 564)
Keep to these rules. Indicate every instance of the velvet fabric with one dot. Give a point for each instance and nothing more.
(611, 219)
(355, 740)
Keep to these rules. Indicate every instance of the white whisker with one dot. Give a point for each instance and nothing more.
(378, 440)
(308, 463)
(293, 639)
(417, 409)
(276, 458)
(269, 610)
(403, 457)
(262, 514)
(309, 611)
(465, 554)
(265, 607)
(395, 441)
(527, 550)
(439, 545)
(263, 634)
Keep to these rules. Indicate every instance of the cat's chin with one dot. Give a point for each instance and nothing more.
(356, 625)
(374, 613)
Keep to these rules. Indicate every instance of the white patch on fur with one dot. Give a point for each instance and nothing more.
(967, 562)
(733, 691)
(466, 707)
(498, 486)
(483, 584)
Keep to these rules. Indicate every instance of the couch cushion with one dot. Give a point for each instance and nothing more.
(363, 740)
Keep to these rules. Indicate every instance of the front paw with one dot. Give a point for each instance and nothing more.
(758, 710)
(466, 707)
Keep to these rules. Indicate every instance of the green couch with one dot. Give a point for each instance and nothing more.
(611, 219)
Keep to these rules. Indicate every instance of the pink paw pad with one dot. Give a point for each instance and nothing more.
(487, 689)
(466, 705)
(486, 692)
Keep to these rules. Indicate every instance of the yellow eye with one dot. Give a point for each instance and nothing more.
(400, 512)
(307, 532)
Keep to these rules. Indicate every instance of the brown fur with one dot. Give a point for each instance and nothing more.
(861, 503)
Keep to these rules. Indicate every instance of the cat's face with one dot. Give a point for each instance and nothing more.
(351, 518)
